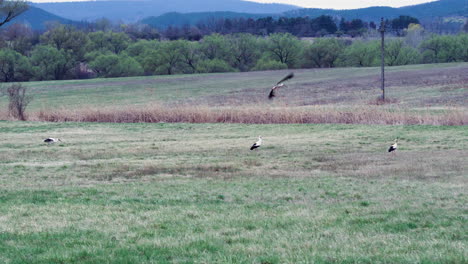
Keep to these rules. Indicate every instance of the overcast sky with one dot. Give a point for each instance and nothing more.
(345, 4)
(335, 4)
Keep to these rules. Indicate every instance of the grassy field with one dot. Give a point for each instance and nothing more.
(434, 94)
(194, 193)
(413, 86)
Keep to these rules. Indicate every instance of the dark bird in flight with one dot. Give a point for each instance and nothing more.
(257, 144)
(394, 146)
(279, 85)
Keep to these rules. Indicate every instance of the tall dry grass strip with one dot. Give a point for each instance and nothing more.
(257, 115)
(4, 115)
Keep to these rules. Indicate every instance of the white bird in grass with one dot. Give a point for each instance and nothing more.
(279, 85)
(257, 144)
(52, 140)
(394, 146)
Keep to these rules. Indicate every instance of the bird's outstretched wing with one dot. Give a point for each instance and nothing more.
(289, 76)
(273, 90)
(278, 85)
(272, 93)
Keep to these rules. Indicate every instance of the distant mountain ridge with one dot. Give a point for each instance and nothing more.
(37, 18)
(179, 19)
(133, 11)
(442, 8)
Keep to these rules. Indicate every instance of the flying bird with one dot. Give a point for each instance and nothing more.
(52, 140)
(279, 85)
(257, 144)
(394, 146)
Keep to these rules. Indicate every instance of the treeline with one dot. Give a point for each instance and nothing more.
(297, 26)
(64, 52)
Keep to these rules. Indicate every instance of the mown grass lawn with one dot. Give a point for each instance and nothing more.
(194, 193)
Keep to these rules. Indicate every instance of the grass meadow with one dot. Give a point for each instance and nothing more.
(428, 89)
(194, 193)
(164, 174)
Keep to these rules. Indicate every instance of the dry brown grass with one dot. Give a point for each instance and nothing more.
(262, 114)
(380, 101)
(4, 115)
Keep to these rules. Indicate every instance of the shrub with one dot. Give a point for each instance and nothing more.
(323, 53)
(440, 49)
(268, 64)
(398, 53)
(18, 101)
(361, 54)
(50, 63)
(113, 65)
(285, 47)
(215, 65)
(14, 66)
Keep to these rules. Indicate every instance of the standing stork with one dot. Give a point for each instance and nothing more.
(279, 85)
(394, 146)
(52, 140)
(257, 144)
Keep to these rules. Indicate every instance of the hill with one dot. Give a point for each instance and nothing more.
(424, 12)
(132, 11)
(441, 8)
(38, 18)
(161, 13)
(180, 19)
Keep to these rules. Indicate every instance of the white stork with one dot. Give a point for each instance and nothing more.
(257, 144)
(394, 146)
(52, 140)
(279, 85)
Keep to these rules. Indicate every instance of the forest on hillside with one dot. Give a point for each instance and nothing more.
(298, 26)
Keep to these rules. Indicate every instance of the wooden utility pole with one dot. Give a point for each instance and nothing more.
(382, 49)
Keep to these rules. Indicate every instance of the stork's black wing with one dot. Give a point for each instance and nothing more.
(272, 93)
(254, 146)
(289, 76)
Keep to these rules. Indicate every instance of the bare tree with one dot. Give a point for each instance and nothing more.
(9, 9)
(18, 100)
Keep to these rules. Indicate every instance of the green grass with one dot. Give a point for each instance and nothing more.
(194, 193)
(433, 85)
